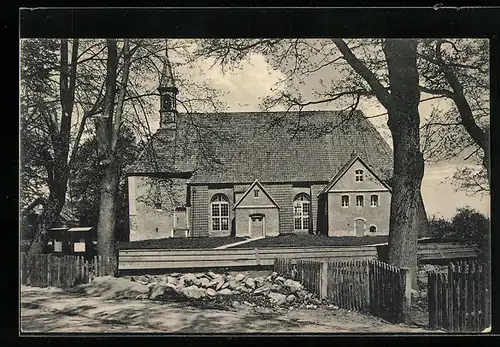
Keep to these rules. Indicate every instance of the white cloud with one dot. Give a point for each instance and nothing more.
(243, 87)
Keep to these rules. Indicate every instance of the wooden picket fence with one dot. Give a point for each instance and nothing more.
(48, 270)
(284, 266)
(459, 300)
(390, 292)
(309, 274)
(348, 285)
(362, 285)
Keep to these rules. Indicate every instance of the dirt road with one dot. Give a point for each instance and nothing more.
(53, 310)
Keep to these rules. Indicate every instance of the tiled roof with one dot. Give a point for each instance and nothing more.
(270, 147)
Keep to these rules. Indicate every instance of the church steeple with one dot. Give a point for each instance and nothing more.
(168, 95)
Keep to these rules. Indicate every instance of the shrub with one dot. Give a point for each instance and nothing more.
(470, 224)
(440, 227)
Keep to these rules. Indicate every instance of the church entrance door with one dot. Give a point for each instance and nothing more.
(257, 225)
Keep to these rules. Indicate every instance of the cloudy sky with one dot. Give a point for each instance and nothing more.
(244, 88)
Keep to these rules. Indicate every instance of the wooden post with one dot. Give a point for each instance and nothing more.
(432, 299)
(406, 274)
(49, 269)
(257, 258)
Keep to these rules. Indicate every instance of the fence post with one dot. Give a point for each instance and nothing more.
(323, 280)
(257, 257)
(366, 284)
(432, 299)
(406, 307)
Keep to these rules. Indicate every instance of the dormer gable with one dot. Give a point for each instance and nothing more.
(256, 195)
(355, 175)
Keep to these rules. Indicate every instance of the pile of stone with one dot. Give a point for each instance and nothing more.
(274, 290)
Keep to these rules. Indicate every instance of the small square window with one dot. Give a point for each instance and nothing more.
(345, 200)
(359, 175)
(256, 193)
(359, 201)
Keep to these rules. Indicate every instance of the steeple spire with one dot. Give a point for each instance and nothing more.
(168, 95)
(167, 76)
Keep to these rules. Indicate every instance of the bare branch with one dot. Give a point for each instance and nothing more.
(383, 95)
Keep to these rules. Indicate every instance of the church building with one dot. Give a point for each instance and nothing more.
(252, 174)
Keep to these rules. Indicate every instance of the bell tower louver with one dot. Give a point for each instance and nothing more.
(168, 95)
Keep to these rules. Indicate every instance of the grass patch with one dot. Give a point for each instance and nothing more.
(306, 240)
(181, 243)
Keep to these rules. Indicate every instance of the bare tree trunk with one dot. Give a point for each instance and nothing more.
(106, 223)
(401, 104)
(108, 132)
(107, 213)
(404, 123)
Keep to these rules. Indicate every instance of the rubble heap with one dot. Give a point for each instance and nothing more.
(210, 287)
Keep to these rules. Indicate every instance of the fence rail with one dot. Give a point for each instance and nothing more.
(362, 285)
(48, 270)
(438, 252)
(148, 259)
(459, 300)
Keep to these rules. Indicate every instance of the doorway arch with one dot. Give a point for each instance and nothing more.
(359, 227)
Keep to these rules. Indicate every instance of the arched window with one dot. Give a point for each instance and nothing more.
(301, 211)
(220, 212)
(359, 175)
(373, 229)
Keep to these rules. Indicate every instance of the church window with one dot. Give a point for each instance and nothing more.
(301, 212)
(220, 212)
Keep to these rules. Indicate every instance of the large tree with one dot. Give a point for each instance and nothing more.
(401, 100)
(111, 82)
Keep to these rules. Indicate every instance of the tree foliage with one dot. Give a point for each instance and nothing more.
(467, 224)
